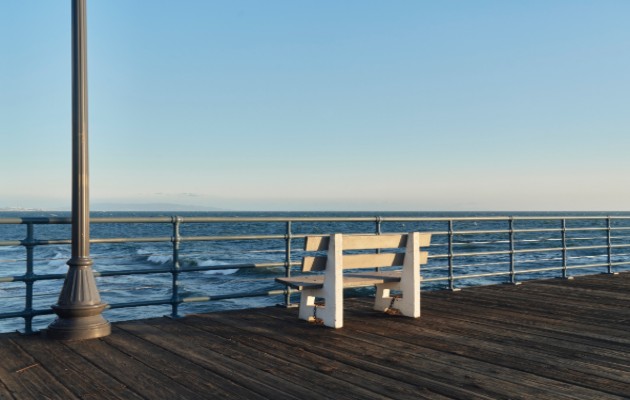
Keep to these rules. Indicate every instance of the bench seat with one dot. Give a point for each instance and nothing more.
(354, 280)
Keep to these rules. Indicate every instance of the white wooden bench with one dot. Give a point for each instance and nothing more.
(329, 285)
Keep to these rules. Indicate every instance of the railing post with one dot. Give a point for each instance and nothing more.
(512, 258)
(29, 279)
(451, 274)
(609, 243)
(379, 222)
(564, 249)
(175, 268)
(287, 263)
(377, 230)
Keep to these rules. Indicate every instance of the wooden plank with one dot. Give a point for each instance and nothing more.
(376, 276)
(599, 296)
(484, 379)
(502, 345)
(285, 363)
(385, 241)
(558, 332)
(597, 343)
(314, 264)
(303, 282)
(357, 380)
(202, 350)
(570, 331)
(73, 371)
(326, 343)
(359, 261)
(178, 368)
(364, 281)
(533, 349)
(316, 243)
(24, 377)
(490, 353)
(136, 375)
(606, 282)
(361, 242)
(352, 280)
(567, 291)
(560, 306)
(5, 393)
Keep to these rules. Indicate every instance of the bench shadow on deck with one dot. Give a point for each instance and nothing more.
(552, 339)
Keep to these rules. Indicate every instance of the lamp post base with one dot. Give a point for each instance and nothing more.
(79, 323)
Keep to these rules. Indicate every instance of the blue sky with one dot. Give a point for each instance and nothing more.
(323, 105)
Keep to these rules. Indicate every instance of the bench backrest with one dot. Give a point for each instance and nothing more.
(360, 242)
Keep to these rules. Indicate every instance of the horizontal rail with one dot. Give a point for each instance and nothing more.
(158, 220)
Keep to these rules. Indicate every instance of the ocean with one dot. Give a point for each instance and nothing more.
(222, 256)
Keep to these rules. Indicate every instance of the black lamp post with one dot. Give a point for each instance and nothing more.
(79, 306)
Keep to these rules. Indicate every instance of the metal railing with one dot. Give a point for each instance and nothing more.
(464, 251)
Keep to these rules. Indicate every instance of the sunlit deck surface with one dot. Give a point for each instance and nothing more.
(552, 339)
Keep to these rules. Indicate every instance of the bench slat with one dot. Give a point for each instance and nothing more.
(362, 242)
(356, 261)
(349, 280)
(316, 243)
(314, 263)
(303, 282)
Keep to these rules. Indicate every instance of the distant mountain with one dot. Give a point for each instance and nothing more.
(150, 207)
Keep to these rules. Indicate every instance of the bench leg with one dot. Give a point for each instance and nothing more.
(307, 303)
(330, 314)
(383, 298)
(408, 304)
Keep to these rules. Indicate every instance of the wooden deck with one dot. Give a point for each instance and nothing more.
(551, 339)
